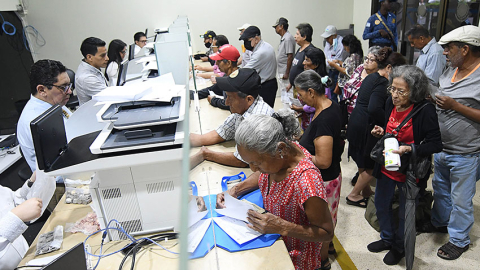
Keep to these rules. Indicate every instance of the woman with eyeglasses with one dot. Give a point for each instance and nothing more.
(369, 111)
(117, 50)
(409, 89)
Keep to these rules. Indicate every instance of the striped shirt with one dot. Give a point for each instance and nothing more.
(228, 128)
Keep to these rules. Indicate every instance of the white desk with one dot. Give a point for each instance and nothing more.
(7, 160)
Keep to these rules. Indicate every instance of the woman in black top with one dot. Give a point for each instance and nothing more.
(369, 111)
(322, 139)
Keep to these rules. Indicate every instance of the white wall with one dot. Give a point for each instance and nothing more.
(362, 11)
(65, 23)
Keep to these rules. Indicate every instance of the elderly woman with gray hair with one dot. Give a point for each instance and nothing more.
(291, 186)
(409, 88)
(323, 140)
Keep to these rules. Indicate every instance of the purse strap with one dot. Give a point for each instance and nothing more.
(409, 116)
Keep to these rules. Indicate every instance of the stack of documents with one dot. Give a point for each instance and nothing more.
(233, 222)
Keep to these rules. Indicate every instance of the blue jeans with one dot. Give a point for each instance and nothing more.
(454, 187)
(333, 74)
(383, 202)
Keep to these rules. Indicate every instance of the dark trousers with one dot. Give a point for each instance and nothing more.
(269, 91)
(383, 202)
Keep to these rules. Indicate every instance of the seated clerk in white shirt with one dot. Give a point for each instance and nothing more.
(50, 85)
(89, 79)
(116, 53)
(140, 41)
(241, 87)
(15, 210)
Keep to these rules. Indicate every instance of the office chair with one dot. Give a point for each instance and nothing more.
(26, 172)
(73, 101)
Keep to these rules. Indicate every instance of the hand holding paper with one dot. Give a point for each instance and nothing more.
(234, 208)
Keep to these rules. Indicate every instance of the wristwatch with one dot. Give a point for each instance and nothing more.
(29, 183)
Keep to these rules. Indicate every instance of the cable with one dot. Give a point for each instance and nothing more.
(138, 242)
(145, 241)
(7, 23)
(39, 40)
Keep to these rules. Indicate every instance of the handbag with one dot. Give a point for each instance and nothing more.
(377, 151)
(344, 109)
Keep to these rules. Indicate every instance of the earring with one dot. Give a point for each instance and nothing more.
(281, 156)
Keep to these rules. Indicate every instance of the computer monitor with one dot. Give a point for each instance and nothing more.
(131, 51)
(49, 137)
(73, 259)
(122, 73)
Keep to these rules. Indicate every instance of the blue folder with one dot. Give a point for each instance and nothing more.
(223, 239)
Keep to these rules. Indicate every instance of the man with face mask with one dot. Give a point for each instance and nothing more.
(263, 61)
(333, 51)
(207, 41)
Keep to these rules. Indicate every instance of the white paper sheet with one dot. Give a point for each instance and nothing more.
(151, 65)
(145, 59)
(196, 233)
(235, 208)
(123, 93)
(236, 229)
(193, 215)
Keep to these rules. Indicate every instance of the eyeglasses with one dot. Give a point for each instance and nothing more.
(124, 51)
(143, 41)
(63, 88)
(366, 59)
(401, 92)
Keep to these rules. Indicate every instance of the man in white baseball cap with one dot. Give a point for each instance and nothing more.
(246, 54)
(457, 167)
(333, 51)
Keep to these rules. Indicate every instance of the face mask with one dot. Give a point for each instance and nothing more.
(208, 44)
(248, 45)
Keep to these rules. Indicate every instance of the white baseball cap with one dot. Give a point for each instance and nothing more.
(469, 34)
(244, 26)
(329, 31)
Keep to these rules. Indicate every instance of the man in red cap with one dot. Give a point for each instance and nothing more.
(226, 59)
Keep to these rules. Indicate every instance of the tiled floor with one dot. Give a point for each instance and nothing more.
(354, 233)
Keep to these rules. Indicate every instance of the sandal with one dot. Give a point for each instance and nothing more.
(450, 251)
(325, 265)
(331, 249)
(360, 203)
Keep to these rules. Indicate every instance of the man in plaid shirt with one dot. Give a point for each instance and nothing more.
(241, 87)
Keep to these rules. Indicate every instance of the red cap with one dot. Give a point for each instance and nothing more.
(227, 52)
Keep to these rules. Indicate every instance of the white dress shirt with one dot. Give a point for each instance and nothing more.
(89, 81)
(12, 243)
(32, 110)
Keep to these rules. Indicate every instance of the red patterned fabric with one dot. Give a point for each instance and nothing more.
(286, 198)
(351, 86)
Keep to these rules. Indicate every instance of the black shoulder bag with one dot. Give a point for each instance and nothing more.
(377, 151)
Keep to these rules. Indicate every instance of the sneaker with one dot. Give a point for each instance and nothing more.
(378, 246)
(393, 257)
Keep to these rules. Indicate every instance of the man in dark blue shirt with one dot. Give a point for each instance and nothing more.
(381, 27)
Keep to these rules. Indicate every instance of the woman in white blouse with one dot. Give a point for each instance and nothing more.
(15, 210)
(116, 52)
